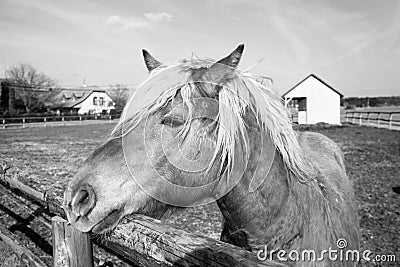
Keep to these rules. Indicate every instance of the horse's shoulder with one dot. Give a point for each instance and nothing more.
(314, 137)
(317, 141)
(317, 145)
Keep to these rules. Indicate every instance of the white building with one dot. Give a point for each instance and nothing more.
(84, 101)
(312, 100)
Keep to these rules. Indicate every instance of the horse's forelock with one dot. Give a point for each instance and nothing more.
(241, 93)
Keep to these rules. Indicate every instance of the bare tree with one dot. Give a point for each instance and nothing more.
(120, 94)
(33, 87)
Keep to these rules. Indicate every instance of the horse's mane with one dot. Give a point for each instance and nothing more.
(240, 93)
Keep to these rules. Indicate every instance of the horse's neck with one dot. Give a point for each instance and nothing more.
(273, 215)
(258, 214)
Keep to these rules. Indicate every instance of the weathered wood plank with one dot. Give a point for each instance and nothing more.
(166, 245)
(71, 247)
(45, 199)
(23, 253)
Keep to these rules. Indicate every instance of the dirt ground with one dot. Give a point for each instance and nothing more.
(49, 157)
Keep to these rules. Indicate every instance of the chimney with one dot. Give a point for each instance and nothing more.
(84, 85)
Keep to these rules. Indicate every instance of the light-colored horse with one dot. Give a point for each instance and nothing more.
(203, 131)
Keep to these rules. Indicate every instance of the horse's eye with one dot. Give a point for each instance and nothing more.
(173, 120)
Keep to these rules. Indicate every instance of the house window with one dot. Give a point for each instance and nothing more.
(101, 101)
(95, 100)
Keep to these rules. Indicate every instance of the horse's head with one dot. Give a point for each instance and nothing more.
(163, 153)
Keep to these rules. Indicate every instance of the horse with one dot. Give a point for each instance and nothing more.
(203, 130)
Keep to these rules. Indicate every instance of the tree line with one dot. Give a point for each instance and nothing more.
(381, 101)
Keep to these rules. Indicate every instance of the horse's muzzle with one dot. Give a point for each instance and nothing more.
(79, 201)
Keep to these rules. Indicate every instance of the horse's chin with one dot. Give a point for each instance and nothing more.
(108, 223)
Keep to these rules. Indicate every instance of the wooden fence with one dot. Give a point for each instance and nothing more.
(23, 122)
(139, 240)
(382, 119)
(294, 117)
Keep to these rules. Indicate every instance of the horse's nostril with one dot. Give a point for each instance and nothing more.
(83, 201)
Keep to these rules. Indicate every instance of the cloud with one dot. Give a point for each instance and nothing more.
(114, 20)
(128, 23)
(134, 22)
(159, 16)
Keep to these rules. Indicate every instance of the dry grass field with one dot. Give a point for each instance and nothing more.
(49, 157)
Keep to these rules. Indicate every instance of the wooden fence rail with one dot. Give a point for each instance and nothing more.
(53, 120)
(140, 240)
(374, 118)
(25, 254)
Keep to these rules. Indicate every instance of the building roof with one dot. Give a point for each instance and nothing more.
(68, 104)
(71, 103)
(316, 77)
(79, 94)
(76, 93)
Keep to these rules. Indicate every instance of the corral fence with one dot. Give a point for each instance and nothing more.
(139, 240)
(294, 117)
(23, 122)
(384, 119)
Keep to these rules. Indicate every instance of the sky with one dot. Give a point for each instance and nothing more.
(353, 45)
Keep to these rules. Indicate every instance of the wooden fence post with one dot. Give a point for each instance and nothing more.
(71, 247)
(379, 119)
(80, 120)
(354, 118)
(63, 121)
(4, 123)
(45, 122)
(360, 118)
(23, 122)
(390, 121)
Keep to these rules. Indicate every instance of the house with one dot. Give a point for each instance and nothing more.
(313, 100)
(88, 100)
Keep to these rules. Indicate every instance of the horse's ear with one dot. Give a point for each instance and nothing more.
(232, 60)
(225, 67)
(150, 61)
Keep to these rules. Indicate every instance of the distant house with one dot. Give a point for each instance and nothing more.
(313, 100)
(88, 100)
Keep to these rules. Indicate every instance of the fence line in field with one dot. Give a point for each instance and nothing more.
(23, 122)
(294, 117)
(384, 119)
(140, 240)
